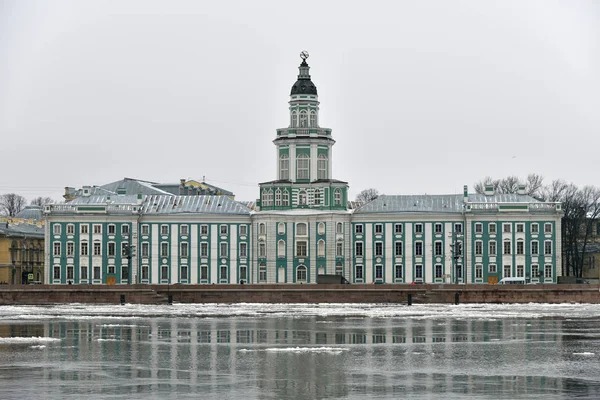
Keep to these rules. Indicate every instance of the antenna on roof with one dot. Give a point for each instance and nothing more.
(203, 178)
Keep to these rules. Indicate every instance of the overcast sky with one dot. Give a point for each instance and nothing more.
(422, 96)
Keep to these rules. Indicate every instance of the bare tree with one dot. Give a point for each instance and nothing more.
(533, 185)
(41, 201)
(367, 195)
(11, 204)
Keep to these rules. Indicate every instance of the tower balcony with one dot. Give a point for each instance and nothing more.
(304, 132)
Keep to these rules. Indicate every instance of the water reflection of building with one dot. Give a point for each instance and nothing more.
(387, 357)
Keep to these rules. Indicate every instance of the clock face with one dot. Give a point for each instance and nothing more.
(304, 55)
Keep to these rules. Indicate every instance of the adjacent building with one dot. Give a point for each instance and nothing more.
(302, 225)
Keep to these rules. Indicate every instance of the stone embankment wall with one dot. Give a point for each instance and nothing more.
(400, 294)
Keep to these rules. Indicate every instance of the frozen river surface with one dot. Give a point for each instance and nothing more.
(300, 351)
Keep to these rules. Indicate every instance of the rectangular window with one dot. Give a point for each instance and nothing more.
(438, 248)
(548, 229)
(243, 250)
(359, 272)
(145, 249)
(418, 228)
(492, 228)
(164, 230)
(478, 247)
(339, 249)
(84, 248)
(243, 230)
(111, 248)
(243, 273)
(419, 271)
(507, 246)
(164, 249)
(358, 229)
(358, 249)
(97, 231)
(438, 228)
(204, 272)
(183, 250)
(478, 227)
(70, 249)
(183, 274)
(70, 272)
(56, 272)
(223, 229)
(111, 269)
(124, 273)
(125, 230)
(478, 271)
(96, 272)
(223, 249)
(398, 249)
(506, 228)
(438, 271)
(84, 230)
(203, 230)
(378, 229)
(301, 248)
(56, 229)
(520, 271)
(520, 247)
(398, 229)
(70, 229)
(203, 249)
(535, 271)
(458, 228)
(145, 272)
(548, 271)
(492, 268)
(418, 248)
(164, 273)
(492, 248)
(535, 228)
(111, 229)
(520, 228)
(97, 249)
(184, 230)
(378, 249)
(378, 272)
(507, 269)
(262, 273)
(547, 247)
(262, 249)
(84, 273)
(459, 271)
(535, 248)
(145, 230)
(398, 271)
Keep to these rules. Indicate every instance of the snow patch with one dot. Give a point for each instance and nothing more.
(33, 339)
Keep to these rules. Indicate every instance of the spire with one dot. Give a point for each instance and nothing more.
(304, 85)
(304, 68)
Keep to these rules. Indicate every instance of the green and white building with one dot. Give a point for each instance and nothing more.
(301, 226)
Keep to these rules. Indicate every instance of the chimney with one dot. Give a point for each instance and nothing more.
(489, 190)
(521, 190)
(465, 194)
(181, 187)
(87, 191)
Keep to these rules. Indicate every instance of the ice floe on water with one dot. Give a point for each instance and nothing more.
(585, 354)
(26, 340)
(489, 312)
(299, 350)
(39, 346)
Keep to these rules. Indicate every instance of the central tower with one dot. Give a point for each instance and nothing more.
(304, 158)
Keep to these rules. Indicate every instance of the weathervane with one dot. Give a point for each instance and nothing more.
(304, 55)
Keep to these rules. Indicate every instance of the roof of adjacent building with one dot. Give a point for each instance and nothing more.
(442, 203)
(192, 205)
(30, 212)
(21, 230)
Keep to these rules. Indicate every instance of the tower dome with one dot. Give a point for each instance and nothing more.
(304, 85)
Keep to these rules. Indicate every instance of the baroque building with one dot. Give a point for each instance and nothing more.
(135, 231)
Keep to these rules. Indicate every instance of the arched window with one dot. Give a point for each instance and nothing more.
(321, 228)
(262, 229)
(284, 167)
(267, 198)
(317, 197)
(301, 274)
(281, 248)
(302, 198)
(302, 166)
(321, 248)
(281, 228)
(313, 119)
(301, 229)
(303, 120)
(285, 198)
(339, 228)
(293, 119)
(337, 197)
(322, 167)
(278, 197)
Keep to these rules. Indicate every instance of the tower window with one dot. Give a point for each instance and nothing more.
(303, 167)
(313, 119)
(337, 197)
(302, 198)
(284, 167)
(322, 167)
(293, 119)
(303, 120)
(285, 198)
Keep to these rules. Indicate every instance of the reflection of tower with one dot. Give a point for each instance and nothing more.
(304, 158)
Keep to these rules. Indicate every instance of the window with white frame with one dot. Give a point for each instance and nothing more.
(301, 248)
(164, 249)
(281, 248)
(183, 273)
(262, 229)
(548, 271)
(507, 247)
(339, 228)
(478, 247)
(302, 198)
(96, 272)
(313, 119)
(322, 163)
(145, 272)
(281, 228)
(303, 119)
(492, 268)
(285, 198)
(418, 228)
(459, 271)
(398, 229)
(243, 250)
(125, 229)
(243, 230)
(358, 272)
(506, 228)
(339, 249)
(535, 228)
(418, 248)
(145, 249)
(262, 249)
(284, 167)
(548, 247)
(56, 251)
(458, 228)
(438, 249)
(358, 249)
(337, 197)
(507, 271)
(164, 230)
(301, 274)
(183, 249)
(97, 249)
(358, 229)
(262, 273)
(439, 271)
(492, 228)
(164, 272)
(56, 229)
(492, 248)
(204, 272)
(145, 230)
(317, 197)
(535, 248)
(520, 271)
(520, 228)
(223, 249)
(84, 229)
(301, 229)
(223, 229)
(548, 229)
(294, 119)
(378, 229)
(84, 248)
(267, 199)
(111, 249)
(437, 228)
(478, 227)
(111, 229)
(184, 230)
(83, 274)
(520, 247)
(243, 273)
(56, 274)
(203, 230)
(535, 271)
(419, 271)
(398, 249)
(378, 249)
(70, 249)
(70, 229)
(223, 273)
(203, 249)
(278, 197)
(478, 271)
(97, 229)
(302, 167)
(379, 271)
(339, 268)
(398, 272)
